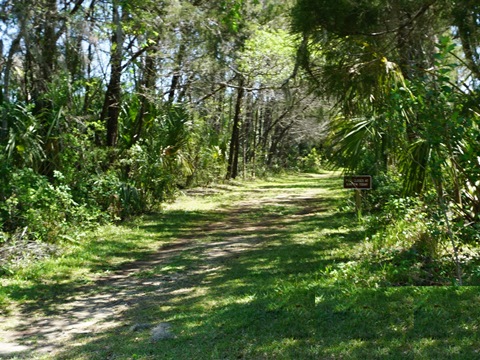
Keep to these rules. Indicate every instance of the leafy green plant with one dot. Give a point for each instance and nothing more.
(44, 210)
(312, 162)
(24, 144)
(409, 243)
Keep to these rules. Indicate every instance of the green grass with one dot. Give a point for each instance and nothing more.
(283, 296)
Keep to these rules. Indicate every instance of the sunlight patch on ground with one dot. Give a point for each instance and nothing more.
(186, 203)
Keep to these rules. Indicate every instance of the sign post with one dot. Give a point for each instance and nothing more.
(358, 183)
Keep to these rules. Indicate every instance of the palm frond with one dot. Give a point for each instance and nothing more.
(355, 139)
(414, 166)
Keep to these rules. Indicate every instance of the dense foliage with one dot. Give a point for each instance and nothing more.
(405, 75)
(109, 106)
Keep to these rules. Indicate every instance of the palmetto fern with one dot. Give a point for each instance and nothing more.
(355, 140)
(414, 166)
(24, 145)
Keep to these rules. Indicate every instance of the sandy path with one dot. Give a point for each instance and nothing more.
(98, 307)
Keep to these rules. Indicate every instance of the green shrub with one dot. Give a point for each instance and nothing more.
(312, 162)
(407, 243)
(44, 209)
(385, 188)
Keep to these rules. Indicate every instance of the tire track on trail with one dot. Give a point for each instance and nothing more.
(98, 307)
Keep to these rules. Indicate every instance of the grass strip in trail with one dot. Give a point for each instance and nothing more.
(242, 271)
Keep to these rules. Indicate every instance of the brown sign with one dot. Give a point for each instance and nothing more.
(359, 182)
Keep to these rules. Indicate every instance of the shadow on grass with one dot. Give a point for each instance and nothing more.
(107, 255)
(248, 283)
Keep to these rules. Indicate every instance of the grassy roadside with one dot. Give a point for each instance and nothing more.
(256, 285)
(99, 253)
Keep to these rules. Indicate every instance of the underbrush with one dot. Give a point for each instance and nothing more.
(407, 242)
(313, 284)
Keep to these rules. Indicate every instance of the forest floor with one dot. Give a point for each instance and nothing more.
(239, 271)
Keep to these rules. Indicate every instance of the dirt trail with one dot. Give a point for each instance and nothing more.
(98, 307)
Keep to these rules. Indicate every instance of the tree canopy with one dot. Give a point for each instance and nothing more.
(109, 107)
(404, 77)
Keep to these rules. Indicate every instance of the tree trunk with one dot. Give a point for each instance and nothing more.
(466, 19)
(146, 87)
(176, 74)
(49, 43)
(111, 106)
(4, 128)
(232, 168)
(88, 75)
(254, 145)
(276, 139)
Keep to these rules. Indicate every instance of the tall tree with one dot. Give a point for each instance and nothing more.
(234, 153)
(111, 106)
(406, 95)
